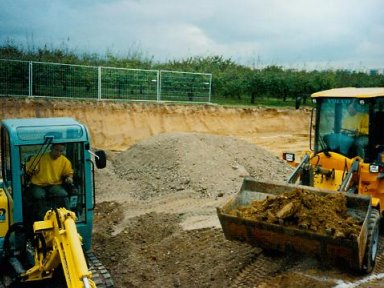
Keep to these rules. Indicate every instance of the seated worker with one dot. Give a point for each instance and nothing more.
(47, 176)
(357, 123)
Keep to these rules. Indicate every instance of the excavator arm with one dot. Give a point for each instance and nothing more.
(58, 242)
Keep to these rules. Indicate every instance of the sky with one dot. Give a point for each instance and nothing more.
(297, 34)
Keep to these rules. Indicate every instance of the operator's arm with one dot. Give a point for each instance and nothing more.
(363, 124)
(68, 172)
(31, 167)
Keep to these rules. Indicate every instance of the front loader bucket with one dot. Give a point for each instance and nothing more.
(286, 238)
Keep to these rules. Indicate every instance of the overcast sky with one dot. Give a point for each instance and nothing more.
(300, 34)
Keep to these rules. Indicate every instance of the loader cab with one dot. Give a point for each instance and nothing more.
(350, 125)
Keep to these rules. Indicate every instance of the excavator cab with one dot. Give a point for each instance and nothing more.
(75, 198)
(33, 250)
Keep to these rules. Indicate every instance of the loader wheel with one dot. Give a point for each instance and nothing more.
(372, 242)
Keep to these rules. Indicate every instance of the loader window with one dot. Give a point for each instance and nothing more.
(38, 197)
(343, 126)
(377, 135)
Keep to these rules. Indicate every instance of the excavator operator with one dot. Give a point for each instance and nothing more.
(48, 173)
(356, 122)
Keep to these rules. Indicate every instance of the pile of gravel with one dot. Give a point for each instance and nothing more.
(203, 164)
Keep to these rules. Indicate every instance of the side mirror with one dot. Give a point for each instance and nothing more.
(298, 102)
(100, 159)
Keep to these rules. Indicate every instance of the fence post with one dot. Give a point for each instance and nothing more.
(210, 88)
(99, 84)
(30, 78)
(158, 85)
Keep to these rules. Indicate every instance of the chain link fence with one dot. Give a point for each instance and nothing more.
(41, 79)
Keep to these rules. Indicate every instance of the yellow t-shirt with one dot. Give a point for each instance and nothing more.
(50, 171)
(358, 123)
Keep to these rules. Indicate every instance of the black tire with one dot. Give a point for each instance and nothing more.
(371, 250)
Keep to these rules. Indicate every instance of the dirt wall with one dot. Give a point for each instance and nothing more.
(117, 126)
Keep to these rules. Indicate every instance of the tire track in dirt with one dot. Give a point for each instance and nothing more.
(259, 270)
(379, 267)
(293, 270)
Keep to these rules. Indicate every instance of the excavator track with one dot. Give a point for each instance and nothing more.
(100, 274)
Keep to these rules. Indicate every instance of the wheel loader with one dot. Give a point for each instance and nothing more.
(346, 155)
(54, 251)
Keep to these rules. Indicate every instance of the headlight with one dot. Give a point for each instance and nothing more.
(373, 168)
(289, 157)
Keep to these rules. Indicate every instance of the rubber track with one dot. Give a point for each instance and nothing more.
(100, 274)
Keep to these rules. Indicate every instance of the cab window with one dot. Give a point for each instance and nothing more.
(75, 200)
(6, 160)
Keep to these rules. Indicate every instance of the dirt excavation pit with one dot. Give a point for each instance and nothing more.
(321, 214)
(156, 224)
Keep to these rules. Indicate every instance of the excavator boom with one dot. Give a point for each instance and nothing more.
(58, 242)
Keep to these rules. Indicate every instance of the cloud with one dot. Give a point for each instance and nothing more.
(295, 32)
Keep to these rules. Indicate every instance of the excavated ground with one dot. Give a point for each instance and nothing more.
(169, 167)
(164, 230)
(161, 228)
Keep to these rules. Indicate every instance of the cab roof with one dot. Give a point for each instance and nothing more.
(351, 92)
(30, 122)
(25, 131)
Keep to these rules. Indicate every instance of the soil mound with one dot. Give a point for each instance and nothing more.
(205, 166)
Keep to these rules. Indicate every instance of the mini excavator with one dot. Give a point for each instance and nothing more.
(54, 251)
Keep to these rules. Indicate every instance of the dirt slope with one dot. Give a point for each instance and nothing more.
(117, 126)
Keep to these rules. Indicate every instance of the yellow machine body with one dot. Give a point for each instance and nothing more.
(4, 213)
(341, 159)
(62, 244)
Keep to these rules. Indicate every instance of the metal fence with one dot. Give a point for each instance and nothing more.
(41, 79)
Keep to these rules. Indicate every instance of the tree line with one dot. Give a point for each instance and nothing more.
(231, 82)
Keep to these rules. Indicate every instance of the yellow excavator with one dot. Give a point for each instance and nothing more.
(54, 251)
(346, 156)
(58, 242)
